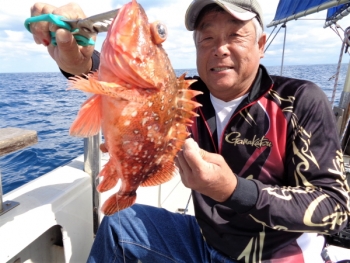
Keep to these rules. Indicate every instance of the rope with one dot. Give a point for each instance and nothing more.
(337, 74)
(345, 44)
(273, 37)
(284, 46)
(267, 40)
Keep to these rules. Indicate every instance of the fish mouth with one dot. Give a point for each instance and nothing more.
(218, 69)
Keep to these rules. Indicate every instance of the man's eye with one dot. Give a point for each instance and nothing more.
(206, 38)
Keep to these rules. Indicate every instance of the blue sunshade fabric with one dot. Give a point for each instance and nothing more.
(288, 8)
(332, 12)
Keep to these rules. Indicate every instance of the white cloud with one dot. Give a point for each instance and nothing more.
(14, 36)
(307, 41)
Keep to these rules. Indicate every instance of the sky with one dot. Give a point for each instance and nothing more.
(307, 42)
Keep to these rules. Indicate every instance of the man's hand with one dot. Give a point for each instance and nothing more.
(69, 56)
(205, 172)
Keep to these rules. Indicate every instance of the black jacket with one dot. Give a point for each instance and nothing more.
(282, 144)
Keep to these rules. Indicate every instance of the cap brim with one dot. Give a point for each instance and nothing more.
(196, 6)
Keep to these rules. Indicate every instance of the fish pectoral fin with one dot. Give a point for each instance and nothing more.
(162, 174)
(91, 84)
(110, 177)
(88, 121)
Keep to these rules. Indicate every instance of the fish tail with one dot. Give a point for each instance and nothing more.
(118, 202)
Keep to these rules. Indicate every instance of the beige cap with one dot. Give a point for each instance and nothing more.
(241, 9)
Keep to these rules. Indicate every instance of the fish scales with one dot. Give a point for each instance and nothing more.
(140, 104)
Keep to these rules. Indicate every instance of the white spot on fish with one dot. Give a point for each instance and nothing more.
(127, 123)
(134, 114)
(144, 120)
(150, 104)
(136, 131)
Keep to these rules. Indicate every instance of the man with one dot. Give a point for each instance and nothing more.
(266, 168)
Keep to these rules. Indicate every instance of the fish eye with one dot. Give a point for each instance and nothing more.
(162, 31)
(159, 32)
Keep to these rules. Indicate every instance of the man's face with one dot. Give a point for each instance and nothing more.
(228, 54)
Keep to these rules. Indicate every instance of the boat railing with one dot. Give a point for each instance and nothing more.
(11, 140)
(14, 139)
(92, 166)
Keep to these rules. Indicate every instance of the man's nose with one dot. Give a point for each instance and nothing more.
(221, 49)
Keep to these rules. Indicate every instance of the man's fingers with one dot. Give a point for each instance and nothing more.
(40, 30)
(198, 158)
(182, 164)
(69, 55)
(41, 8)
(194, 156)
(203, 153)
(66, 49)
(65, 40)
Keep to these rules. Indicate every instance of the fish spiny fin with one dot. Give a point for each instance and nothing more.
(178, 137)
(185, 104)
(91, 84)
(186, 82)
(88, 121)
(162, 174)
(118, 202)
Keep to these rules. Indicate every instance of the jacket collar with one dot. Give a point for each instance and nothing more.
(260, 86)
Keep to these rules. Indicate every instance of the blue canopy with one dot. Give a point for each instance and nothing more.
(334, 11)
(293, 9)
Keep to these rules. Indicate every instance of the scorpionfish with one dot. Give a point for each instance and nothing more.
(141, 106)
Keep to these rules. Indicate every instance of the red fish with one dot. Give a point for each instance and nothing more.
(140, 104)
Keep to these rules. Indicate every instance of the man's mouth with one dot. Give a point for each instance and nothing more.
(220, 69)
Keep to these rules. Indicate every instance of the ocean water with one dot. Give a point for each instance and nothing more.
(41, 102)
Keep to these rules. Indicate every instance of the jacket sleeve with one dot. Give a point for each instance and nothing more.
(314, 196)
(95, 64)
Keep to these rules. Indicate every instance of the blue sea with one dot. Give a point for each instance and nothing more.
(41, 102)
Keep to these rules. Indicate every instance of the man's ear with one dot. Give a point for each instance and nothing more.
(261, 43)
